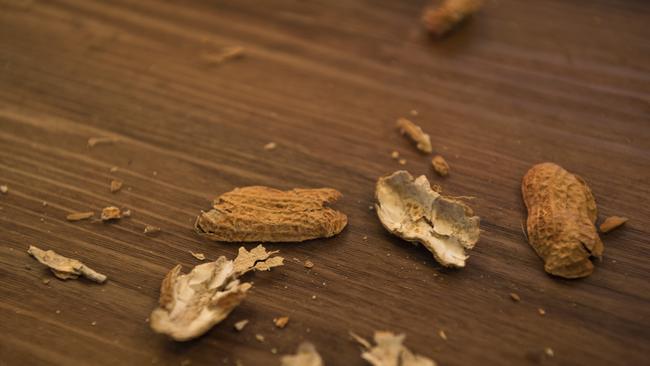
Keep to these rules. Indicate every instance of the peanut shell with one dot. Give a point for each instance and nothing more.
(262, 214)
(561, 217)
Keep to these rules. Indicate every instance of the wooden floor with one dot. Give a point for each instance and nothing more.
(523, 82)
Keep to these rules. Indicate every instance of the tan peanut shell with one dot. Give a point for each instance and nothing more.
(192, 303)
(409, 208)
(263, 214)
(561, 217)
(64, 267)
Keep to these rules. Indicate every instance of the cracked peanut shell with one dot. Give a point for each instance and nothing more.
(263, 214)
(561, 217)
(192, 303)
(410, 209)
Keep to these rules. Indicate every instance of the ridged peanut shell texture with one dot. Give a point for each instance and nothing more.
(263, 214)
(561, 217)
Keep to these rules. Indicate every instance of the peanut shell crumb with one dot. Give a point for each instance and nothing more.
(440, 165)
(110, 213)
(151, 230)
(199, 256)
(77, 216)
(240, 325)
(442, 334)
(612, 223)
(116, 185)
(281, 322)
(413, 131)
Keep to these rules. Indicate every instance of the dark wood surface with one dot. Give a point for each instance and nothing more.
(524, 82)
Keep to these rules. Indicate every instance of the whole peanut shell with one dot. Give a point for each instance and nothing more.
(561, 217)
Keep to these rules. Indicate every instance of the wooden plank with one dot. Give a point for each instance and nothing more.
(521, 83)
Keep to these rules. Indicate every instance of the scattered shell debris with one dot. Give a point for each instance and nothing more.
(612, 223)
(151, 230)
(116, 185)
(270, 146)
(240, 325)
(415, 133)
(77, 216)
(265, 214)
(94, 141)
(4, 189)
(362, 341)
(389, 351)
(515, 297)
(192, 303)
(63, 267)
(281, 322)
(442, 334)
(541, 311)
(259, 337)
(394, 154)
(199, 256)
(401, 161)
(113, 169)
(442, 18)
(126, 213)
(223, 55)
(111, 213)
(549, 352)
(309, 264)
(410, 209)
(440, 165)
(306, 355)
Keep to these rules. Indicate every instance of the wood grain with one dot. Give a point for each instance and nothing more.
(522, 83)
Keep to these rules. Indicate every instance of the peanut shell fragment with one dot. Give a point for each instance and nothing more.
(225, 54)
(151, 230)
(440, 165)
(116, 185)
(410, 209)
(240, 325)
(263, 214)
(439, 20)
(305, 356)
(281, 322)
(64, 267)
(561, 217)
(612, 223)
(100, 140)
(413, 131)
(192, 303)
(199, 256)
(111, 213)
(389, 351)
(77, 216)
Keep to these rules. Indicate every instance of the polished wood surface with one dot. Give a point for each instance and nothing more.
(521, 83)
